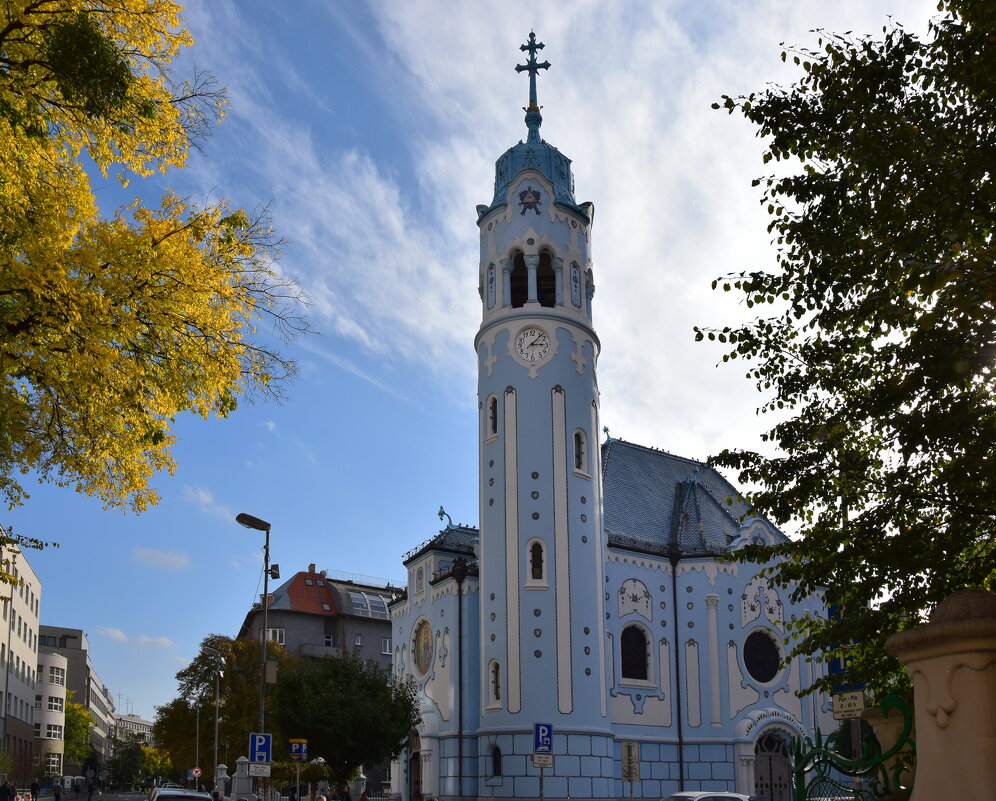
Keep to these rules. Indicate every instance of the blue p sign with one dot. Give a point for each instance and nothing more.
(542, 738)
(259, 747)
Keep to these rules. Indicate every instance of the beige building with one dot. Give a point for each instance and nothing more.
(50, 711)
(19, 658)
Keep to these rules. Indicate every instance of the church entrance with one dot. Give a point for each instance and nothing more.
(772, 779)
(414, 766)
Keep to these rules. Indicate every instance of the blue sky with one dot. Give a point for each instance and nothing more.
(371, 130)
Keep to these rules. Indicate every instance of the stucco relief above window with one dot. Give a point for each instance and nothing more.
(634, 598)
(758, 597)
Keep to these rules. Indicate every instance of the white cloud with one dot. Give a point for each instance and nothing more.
(270, 425)
(167, 560)
(155, 642)
(204, 500)
(114, 634)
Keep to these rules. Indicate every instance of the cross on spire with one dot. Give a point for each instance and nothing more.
(532, 67)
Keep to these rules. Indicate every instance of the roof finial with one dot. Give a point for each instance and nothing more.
(533, 117)
(449, 520)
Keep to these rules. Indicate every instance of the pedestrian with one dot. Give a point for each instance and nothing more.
(7, 791)
(90, 787)
(35, 788)
(57, 790)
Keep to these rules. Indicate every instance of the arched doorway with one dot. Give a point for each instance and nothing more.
(414, 766)
(772, 778)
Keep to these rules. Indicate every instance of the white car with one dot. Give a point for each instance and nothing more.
(708, 795)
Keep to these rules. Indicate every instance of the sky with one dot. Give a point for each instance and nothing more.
(370, 130)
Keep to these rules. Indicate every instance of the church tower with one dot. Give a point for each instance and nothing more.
(541, 556)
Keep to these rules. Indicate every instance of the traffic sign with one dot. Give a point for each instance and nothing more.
(260, 747)
(542, 738)
(542, 760)
(297, 750)
(848, 705)
(195, 772)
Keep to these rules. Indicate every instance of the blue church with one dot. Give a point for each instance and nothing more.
(590, 640)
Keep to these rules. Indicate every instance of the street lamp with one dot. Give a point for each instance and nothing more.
(261, 525)
(219, 661)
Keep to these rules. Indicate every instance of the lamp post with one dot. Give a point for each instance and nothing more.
(219, 661)
(261, 525)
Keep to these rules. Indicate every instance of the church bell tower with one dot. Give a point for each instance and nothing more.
(541, 551)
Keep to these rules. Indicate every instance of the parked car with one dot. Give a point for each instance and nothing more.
(175, 793)
(708, 795)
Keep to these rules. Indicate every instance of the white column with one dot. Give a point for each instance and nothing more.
(712, 605)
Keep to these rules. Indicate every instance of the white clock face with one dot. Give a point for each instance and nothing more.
(532, 344)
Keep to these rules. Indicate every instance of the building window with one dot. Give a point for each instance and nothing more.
(492, 416)
(53, 764)
(633, 653)
(385, 645)
(546, 281)
(536, 558)
(55, 704)
(53, 732)
(57, 675)
(580, 452)
(329, 640)
(519, 281)
(761, 656)
(495, 761)
(38, 730)
(38, 702)
(309, 583)
(358, 640)
(319, 583)
(494, 684)
(274, 635)
(326, 607)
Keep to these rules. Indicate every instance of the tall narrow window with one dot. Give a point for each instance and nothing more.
(633, 653)
(580, 451)
(536, 561)
(492, 416)
(546, 281)
(494, 685)
(519, 280)
(495, 761)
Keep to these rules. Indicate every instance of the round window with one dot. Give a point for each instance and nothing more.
(423, 647)
(761, 656)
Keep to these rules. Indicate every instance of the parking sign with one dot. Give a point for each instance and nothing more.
(260, 746)
(297, 750)
(542, 738)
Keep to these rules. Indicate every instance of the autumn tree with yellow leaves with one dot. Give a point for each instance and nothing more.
(112, 325)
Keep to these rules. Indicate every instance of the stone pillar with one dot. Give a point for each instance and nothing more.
(532, 262)
(242, 781)
(952, 663)
(221, 778)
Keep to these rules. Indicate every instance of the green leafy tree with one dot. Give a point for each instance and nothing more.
(351, 712)
(126, 760)
(177, 722)
(156, 305)
(155, 762)
(877, 355)
(79, 725)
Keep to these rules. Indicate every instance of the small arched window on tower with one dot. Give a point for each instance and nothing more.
(546, 281)
(633, 655)
(494, 685)
(519, 282)
(536, 557)
(491, 413)
(495, 761)
(580, 452)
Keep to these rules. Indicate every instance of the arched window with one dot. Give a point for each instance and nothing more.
(495, 761)
(494, 684)
(536, 561)
(546, 281)
(580, 451)
(633, 653)
(519, 281)
(492, 416)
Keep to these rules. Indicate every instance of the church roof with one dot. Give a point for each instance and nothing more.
(657, 502)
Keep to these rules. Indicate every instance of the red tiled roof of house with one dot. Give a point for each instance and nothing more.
(306, 595)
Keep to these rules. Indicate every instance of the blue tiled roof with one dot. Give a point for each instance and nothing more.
(459, 540)
(653, 499)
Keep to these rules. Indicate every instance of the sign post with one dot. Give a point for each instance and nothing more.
(631, 764)
(297, 750)
(542, 749)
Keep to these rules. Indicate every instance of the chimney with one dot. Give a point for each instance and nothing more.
(311, 568)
